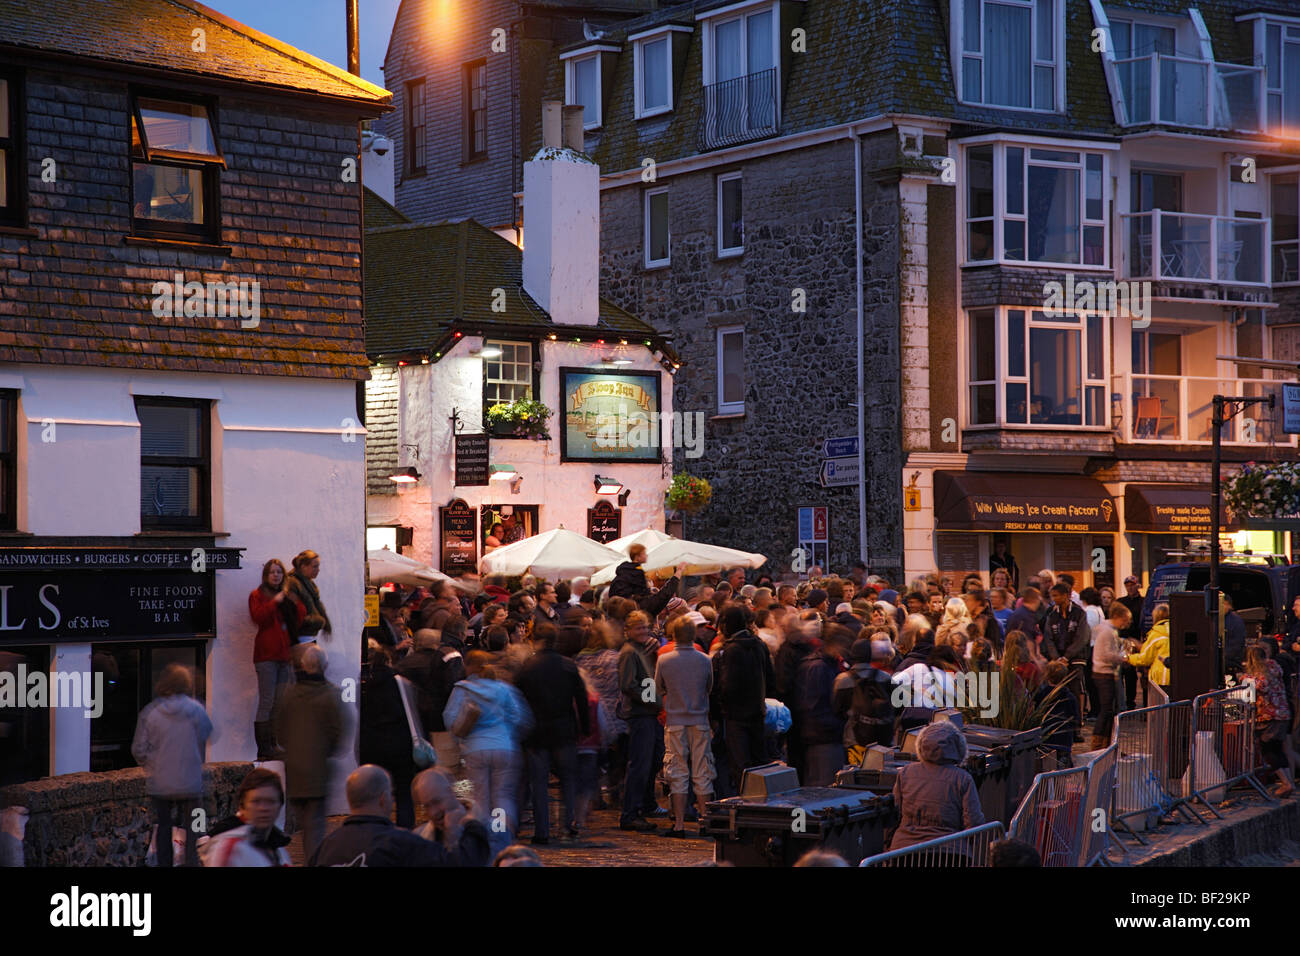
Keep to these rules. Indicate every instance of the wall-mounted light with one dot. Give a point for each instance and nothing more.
(607, 486)
(502, 473)
(622, 498)
(405, 476)
(516, 483)
(610, 360)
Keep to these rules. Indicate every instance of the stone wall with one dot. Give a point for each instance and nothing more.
(105, 819)
(799, 367)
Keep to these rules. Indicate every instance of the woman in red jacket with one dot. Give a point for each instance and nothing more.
(269, 610)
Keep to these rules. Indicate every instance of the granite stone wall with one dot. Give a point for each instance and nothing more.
(105, 819)
(800, 367)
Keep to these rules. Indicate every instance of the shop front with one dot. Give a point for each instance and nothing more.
(1025, 522)
(85, 633)
(1166, 523)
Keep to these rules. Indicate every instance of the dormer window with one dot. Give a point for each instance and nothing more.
(741, 76)
(653, 64)
(584, 79)
(1007, 53)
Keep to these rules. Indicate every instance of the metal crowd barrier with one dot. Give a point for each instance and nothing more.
(1051, 817)
(964, 848)
(1101, 791)
(1224, 752)
(1154, 753)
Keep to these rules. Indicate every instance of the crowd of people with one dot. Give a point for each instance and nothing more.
(608, 692)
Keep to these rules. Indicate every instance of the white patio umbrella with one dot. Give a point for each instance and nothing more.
(698, 558)
(386, 566)
(648, 537)
(554, 555)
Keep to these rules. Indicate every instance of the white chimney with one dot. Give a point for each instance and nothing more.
(562, 221)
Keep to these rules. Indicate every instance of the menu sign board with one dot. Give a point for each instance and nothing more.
(958, 556)
(604, 522)
(471, 460)
(459, 538)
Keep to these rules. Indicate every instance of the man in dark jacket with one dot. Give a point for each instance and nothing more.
(630, 582)
(1065, 629)
(554, 690)
(434, 668)
(822, 731)
(742, 676)
(369, 838)
(1234, 639)
(862, 696)
(1025, 617)
(639, 706)
(545, 612)
(310, 724)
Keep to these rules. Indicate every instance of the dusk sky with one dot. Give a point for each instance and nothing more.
(320, 27)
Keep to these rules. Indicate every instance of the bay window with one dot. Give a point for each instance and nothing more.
(1025, 368)
(1034, 204)
(1010, 52)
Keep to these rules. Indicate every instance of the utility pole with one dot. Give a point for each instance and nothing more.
(1226, 408)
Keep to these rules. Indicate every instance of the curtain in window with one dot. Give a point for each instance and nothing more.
(1008, 59)
(1291, 85)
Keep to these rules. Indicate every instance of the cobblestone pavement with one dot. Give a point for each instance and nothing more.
(602, 844)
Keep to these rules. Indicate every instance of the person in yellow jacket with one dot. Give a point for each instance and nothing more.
(1156, 647)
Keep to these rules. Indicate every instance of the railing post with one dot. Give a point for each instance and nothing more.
(1214, 248)
(1155, 88)
(1157, 250)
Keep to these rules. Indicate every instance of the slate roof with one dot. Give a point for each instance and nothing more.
(874, 58)
(423, 283)
(158, 33)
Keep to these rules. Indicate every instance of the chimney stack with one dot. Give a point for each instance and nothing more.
(562, 221)
(573, 132)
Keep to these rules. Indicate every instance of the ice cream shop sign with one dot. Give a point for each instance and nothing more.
(82, 595)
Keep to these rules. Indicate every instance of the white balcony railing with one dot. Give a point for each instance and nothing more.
(1180, 408)
(1175, 245)
(1181, 91)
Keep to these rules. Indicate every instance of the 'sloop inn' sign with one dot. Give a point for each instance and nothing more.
(54, 594)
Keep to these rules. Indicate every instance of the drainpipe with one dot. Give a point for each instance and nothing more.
(861, 390)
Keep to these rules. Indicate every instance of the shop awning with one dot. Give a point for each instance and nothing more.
(1003, 501)
(1171, 509)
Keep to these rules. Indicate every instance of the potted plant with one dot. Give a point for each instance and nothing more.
(688, 494)
(525, 418)
(1264, 491)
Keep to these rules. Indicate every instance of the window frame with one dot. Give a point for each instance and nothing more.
(646, 238)
(571, 87)
(1001, 216)
(1273, 242)
(471, 154)
(713, 19)
(14, 214)
(1260, 23)
(728, 252)
(724, 407)
(534, 385)
(409, 127)
(959, 55)
(1002, 378)
(639, 43)
(202, 462)
(208, 231)
(9, 460)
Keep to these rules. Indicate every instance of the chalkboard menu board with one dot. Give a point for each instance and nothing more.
(958, 555)
(604, 522)
(459, 537)
(471, 460)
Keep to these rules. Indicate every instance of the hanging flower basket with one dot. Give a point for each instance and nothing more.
(1264, 491)
(525, 418)
(688, 494)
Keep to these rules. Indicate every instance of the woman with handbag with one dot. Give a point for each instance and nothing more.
(490, 718)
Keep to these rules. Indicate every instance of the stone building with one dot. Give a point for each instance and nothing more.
(181, 358)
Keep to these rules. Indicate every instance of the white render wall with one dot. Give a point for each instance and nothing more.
(288, 474)
(564, 492)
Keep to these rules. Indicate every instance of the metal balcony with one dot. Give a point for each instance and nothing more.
(738, 110)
